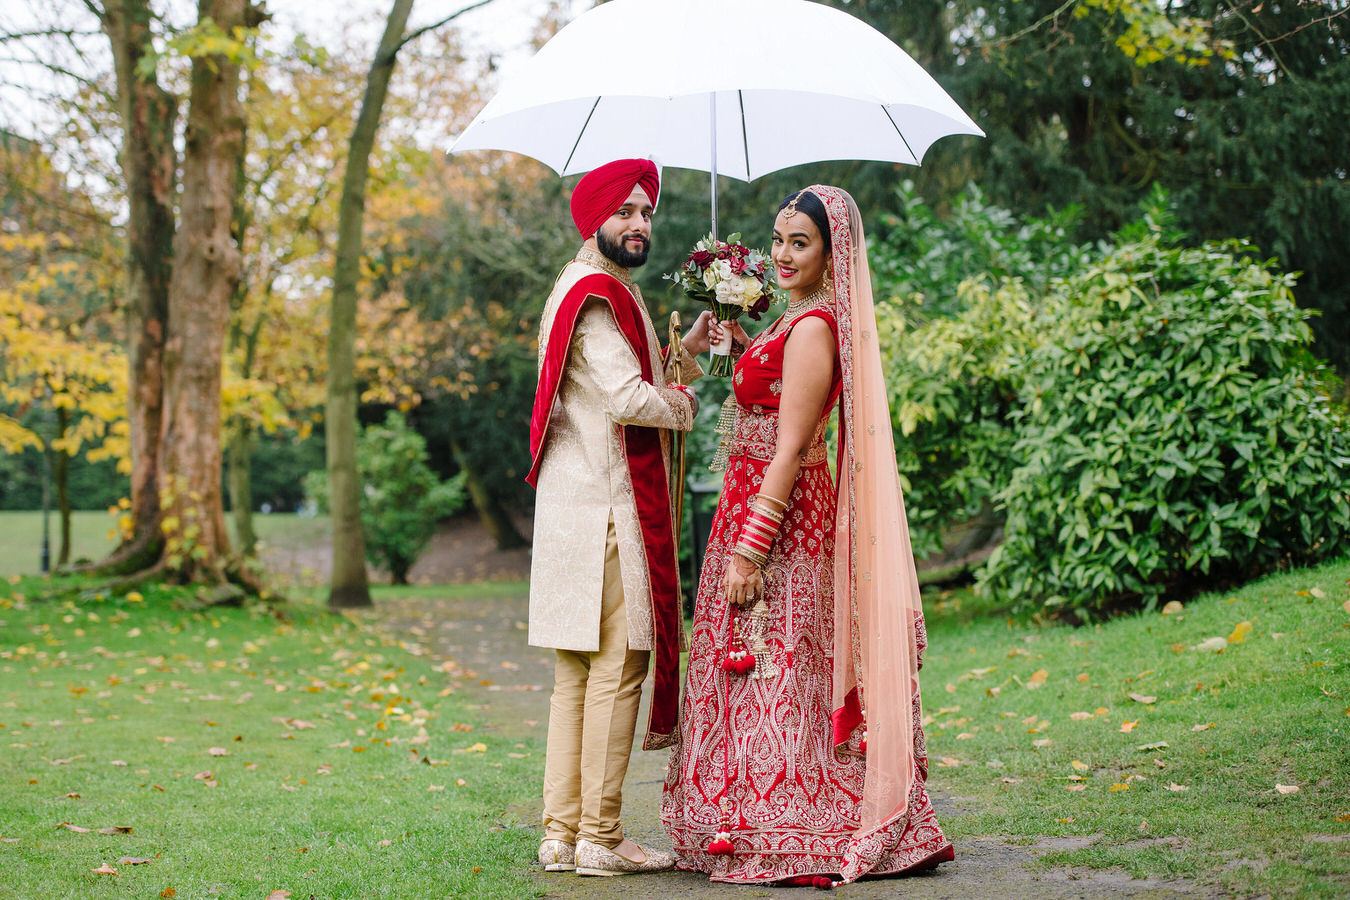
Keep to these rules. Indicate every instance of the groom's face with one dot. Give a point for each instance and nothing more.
(626, 236)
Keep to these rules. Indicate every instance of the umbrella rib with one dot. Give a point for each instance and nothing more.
(587, 123)
(897, 131)
(745, 133)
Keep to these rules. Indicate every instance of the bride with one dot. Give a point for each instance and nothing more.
(801, 757)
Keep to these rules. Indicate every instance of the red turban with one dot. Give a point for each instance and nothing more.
(602, 191)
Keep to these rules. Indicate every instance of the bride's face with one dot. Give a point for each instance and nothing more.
(798, 253)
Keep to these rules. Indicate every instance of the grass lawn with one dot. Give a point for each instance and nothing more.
(243, 755)
(91, 536)
(1226, 761)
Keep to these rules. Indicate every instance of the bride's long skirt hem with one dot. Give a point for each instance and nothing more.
(762, 868)
(921, 846)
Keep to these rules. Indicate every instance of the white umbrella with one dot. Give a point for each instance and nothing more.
(732, 87)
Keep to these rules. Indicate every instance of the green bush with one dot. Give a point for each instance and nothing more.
(401, 497)
(1171, 432)
(953, 386)
(920, 259)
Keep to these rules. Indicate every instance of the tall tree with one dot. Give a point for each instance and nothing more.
(349, 585)
(149, 165)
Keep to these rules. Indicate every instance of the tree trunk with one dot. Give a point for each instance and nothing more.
(240, 454)
(206, 271)
(149, 163)
(61, 475)
(349, 585)
(490, 512)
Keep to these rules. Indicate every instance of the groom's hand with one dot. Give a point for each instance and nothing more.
(696, 339)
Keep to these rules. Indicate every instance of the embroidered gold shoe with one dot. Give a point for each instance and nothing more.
(557, 856)
(628, 858)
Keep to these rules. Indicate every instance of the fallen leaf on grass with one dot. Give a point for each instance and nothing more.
(435, 787)
(115, 829)
(1156, 745)
(1141, 698)
(132, 861)
(1206, 727)
(1214, 644)
(279, 894)
(1240, 632)
(218, 751)
(1346, 606)
(105, 869)
(1080, 765)
(117, 762)
(72, 796)
(168, 892)
(1043, 742)
(1075, 787)
(1318, 593)
(1128, 726)
(1287, 788)
(1119, 787)
(1177, 787)
(62, 762)
(384, 843)
(1172, 607)
(1011, 780)
(1080, 716)
(1083, 677)
(75, 828)
(5, 840)
(1037, 678)
(948, 761)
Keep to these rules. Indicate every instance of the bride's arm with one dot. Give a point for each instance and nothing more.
(808, 371)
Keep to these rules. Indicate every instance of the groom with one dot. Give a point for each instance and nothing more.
(603, 582)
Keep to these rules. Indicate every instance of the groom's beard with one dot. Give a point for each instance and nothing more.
(617, 253)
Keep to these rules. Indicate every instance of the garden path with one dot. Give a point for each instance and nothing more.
(509, 683)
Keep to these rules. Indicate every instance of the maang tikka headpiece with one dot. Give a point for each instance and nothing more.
(791, 209)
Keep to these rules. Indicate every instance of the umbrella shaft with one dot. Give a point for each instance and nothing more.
(712, 166)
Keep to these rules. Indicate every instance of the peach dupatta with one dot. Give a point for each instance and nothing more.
(879, 635)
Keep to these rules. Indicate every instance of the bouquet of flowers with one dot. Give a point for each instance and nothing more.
(732, 279)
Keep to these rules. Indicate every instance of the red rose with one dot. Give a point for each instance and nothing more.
(737, 265)
(701, 258)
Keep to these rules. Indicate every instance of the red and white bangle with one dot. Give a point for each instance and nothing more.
(762, 522)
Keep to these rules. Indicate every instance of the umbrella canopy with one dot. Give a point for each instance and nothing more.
(733, 87)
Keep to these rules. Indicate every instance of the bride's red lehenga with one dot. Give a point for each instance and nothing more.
(776, 759)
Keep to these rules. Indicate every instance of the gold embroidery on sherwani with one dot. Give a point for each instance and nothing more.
(583, 478)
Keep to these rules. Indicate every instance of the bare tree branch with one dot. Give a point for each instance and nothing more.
(414, 35)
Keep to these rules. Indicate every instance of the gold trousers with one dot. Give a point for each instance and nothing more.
(591, 723)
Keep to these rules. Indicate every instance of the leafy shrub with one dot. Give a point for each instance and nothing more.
(920, 259)
(401, 497)
(959, 306)
(1171, 430)
(953, 386)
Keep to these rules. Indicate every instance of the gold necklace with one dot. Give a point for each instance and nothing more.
(810, 301)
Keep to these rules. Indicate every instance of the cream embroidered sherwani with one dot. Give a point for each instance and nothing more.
(583, 482)
(590, 596)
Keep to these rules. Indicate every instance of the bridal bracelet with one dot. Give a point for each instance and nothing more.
(762, 521)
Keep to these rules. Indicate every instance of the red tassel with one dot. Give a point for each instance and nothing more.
(721, 844)
(823, 883)
(738, 660)
(862, 744)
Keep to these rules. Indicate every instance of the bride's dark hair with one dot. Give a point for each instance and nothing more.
(810, 204)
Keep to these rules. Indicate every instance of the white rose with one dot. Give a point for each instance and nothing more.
(709, 277)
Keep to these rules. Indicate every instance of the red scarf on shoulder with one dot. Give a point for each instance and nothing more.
(646, 470)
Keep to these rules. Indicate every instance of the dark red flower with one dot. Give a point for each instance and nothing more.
(701, 258)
